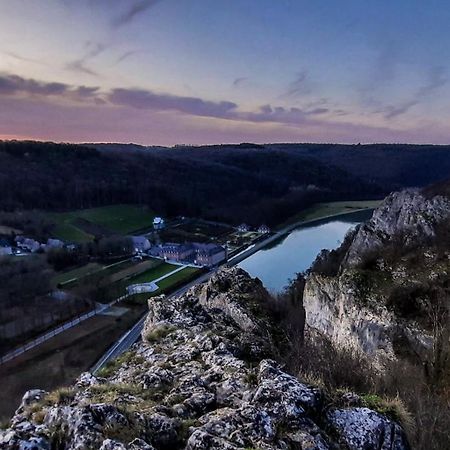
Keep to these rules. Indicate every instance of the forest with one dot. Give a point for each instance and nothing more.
(231, 183)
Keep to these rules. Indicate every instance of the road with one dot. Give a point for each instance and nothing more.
(132, 336)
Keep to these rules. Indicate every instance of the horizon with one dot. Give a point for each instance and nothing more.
(167, 72)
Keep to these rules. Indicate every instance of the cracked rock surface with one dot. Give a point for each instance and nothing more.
(204, 377)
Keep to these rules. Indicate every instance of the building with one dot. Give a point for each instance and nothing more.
(27, 244)
(243, 228)
(176, 252)
(209, 254)
(140, 244)
(200, 254)
(5, 248)
(263, 229)
(158, 223)
(54, 244)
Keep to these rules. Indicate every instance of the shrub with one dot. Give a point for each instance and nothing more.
(158, 333)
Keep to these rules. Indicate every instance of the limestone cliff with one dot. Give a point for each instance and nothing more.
(408, 213)
(202, 378)
(379, 298)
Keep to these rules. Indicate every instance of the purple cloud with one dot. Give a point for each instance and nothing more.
(12, 84)
(144, 99)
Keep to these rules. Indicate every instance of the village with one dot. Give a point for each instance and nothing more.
(216, 242)
(108, 276)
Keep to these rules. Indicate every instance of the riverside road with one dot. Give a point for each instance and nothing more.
(133, 335)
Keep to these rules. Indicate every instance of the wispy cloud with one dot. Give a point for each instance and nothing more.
(300, 86)
(133, 11)
(125, 56)
(80, 66)
(437, 78)
(93, 49)
(239, 81)
(23, 58)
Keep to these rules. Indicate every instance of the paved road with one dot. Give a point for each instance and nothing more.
(131, 336)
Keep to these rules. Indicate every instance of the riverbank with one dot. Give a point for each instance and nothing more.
(279, 259)
(328, 210)
(257, 246)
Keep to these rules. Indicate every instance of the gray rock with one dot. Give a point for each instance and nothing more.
(194, 388)
(362, 428)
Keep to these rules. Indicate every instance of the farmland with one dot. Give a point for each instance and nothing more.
(82, 225)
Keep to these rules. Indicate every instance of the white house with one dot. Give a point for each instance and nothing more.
(140, 244)
(263, 229)
(54, 243)
(5, 248)
(27, 244)
(243, 228)
(158, 223)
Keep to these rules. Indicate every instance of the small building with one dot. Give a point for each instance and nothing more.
(200, 254)
(54, 244)
(5, 248)
(209, 254)
(243, 228)
(27, 244)
(263, 229)
(158, 223)
(177, 252)
(140, 244)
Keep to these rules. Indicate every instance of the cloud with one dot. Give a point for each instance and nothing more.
(133, 11)
(437, 78)
(79, 66)
(145, 99)
(278, 114)
(142, 99)
(125, 56)
(111, 109)
(22, 58)
(13, 85)
(300, 86)
(93, 49)
(239, 81)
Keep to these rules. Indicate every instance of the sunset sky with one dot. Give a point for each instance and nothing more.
(165, 72)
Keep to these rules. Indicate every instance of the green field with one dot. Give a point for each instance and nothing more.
(322, 210)
(152, 274)
(89, 269)
(176, 279)
(119, 219)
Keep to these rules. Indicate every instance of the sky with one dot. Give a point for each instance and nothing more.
(166, 72)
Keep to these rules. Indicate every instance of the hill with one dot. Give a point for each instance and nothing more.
(231, 183)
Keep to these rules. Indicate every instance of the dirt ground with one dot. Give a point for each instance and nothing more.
(60, 360)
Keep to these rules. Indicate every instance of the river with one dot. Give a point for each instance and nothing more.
(276, 264)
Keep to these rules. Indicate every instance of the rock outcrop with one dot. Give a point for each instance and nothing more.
(359, 306)
(203, 378)
(407, 213)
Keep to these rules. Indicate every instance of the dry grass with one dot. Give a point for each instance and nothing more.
(158, 333)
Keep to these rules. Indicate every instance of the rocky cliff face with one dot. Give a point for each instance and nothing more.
(360, 307)
(202, 378)
(334, 307)
(407, 213)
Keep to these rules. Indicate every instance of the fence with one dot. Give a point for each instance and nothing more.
(50, 334)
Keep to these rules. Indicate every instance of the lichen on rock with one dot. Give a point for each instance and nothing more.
(203, 377)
